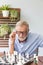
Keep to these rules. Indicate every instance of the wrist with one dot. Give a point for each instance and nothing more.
(11, 42)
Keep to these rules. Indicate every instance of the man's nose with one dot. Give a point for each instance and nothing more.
(21, 34)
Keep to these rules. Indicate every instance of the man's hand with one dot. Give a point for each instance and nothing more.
(12, 37)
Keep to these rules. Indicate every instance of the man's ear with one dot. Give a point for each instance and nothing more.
(28, 30)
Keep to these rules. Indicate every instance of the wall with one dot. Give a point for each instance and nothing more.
(31, 10)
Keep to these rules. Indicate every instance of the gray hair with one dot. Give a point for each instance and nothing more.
(21, 23)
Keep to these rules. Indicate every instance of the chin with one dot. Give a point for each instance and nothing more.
(22, 39)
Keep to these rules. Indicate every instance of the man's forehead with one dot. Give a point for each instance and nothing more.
(21, 27)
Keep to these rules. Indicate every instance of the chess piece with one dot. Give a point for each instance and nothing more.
(20, 61)
(35, 59)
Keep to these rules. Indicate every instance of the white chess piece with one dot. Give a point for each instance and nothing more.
(35, 59)
(27, 55)
(20, 61)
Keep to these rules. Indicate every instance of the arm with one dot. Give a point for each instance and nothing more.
(11, 42)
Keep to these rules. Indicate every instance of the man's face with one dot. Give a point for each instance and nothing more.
(22, 32)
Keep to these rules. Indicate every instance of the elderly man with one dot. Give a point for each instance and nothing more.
(24, 41)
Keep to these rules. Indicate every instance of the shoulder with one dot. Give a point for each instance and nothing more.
(34, 35)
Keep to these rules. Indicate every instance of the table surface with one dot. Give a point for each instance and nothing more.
(40, 61)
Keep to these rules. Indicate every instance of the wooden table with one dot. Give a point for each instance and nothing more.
(40, 61)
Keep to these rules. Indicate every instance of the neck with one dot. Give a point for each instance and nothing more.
(23, 40)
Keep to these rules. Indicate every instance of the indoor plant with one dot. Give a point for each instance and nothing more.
(5, 30)
(5, 10)
(13, 15)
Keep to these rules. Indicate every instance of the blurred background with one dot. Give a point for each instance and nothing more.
(31, 11)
